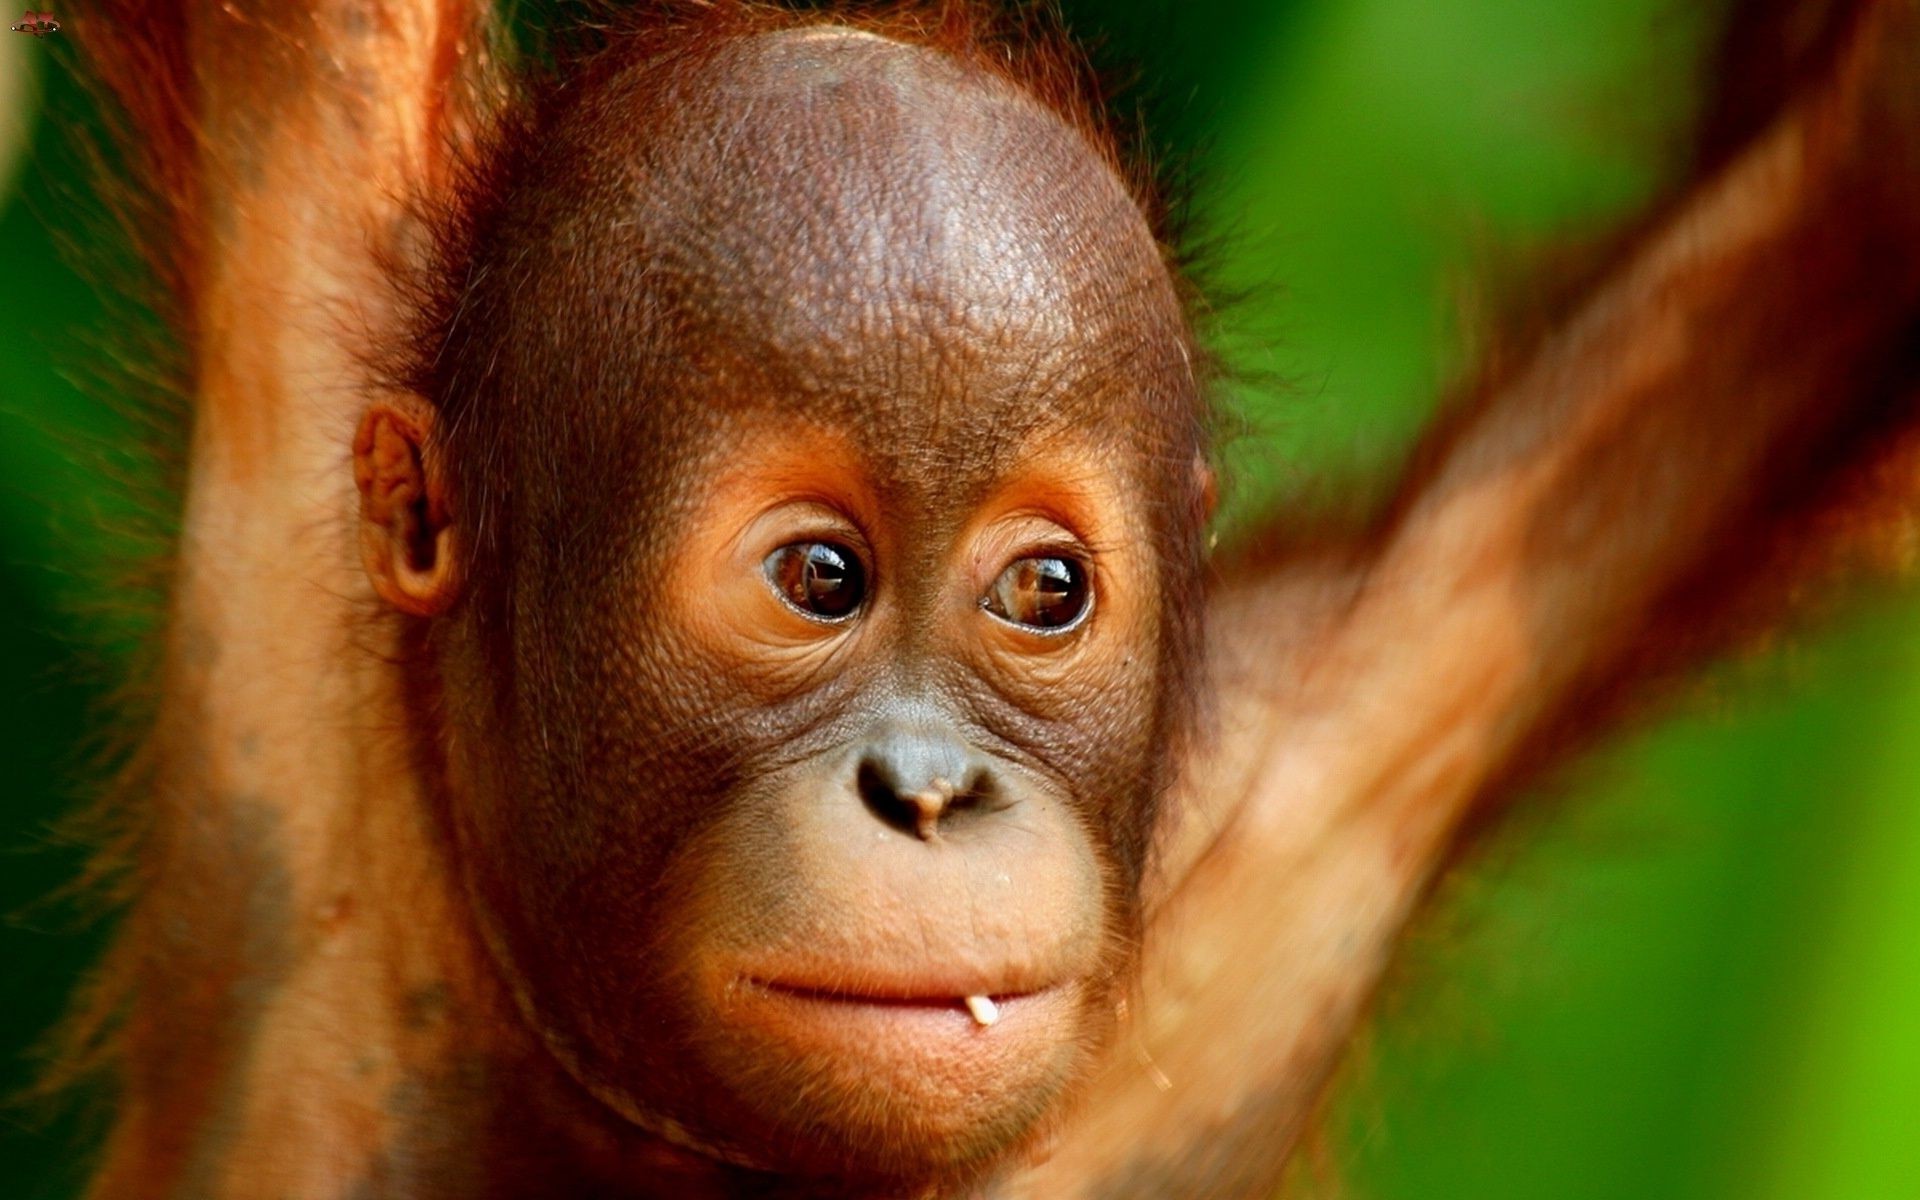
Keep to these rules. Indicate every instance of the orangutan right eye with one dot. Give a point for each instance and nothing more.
(824, 580)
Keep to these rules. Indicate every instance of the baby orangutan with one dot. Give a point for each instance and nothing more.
(742, 722)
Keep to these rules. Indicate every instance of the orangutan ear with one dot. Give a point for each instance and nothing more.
(1206, 498)
(406, 527)
(1207, 485)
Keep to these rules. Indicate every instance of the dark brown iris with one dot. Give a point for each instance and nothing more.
(821, 579)
(1043, 592)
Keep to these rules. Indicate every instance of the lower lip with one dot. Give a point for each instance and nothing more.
(852, 1072)
(916, 1028)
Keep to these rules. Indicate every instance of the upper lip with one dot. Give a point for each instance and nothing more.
(901, 995)
(918, 979)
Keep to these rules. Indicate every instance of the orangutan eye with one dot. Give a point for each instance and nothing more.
(1043, 592)
(821, 579)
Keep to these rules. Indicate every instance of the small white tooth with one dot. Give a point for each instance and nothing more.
(984, 1010)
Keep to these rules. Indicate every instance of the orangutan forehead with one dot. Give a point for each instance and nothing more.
(872, 218)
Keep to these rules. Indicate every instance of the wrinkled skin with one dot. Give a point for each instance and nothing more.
(662, 811)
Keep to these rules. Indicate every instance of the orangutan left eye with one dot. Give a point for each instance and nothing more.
(1044, 592)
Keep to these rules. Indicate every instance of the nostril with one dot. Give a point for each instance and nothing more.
(923, 811)
(884, 798)
(977, 796)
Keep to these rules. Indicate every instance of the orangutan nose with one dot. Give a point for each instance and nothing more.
(921, 781)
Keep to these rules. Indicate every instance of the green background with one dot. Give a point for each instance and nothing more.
(1688, 968)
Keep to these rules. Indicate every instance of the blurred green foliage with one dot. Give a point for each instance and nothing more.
(1688, 971)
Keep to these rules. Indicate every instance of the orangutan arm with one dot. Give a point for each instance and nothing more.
(273, 142)
(1741, 364)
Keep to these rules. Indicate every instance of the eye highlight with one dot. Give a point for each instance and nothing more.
(824, 580)
(1042, 592)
